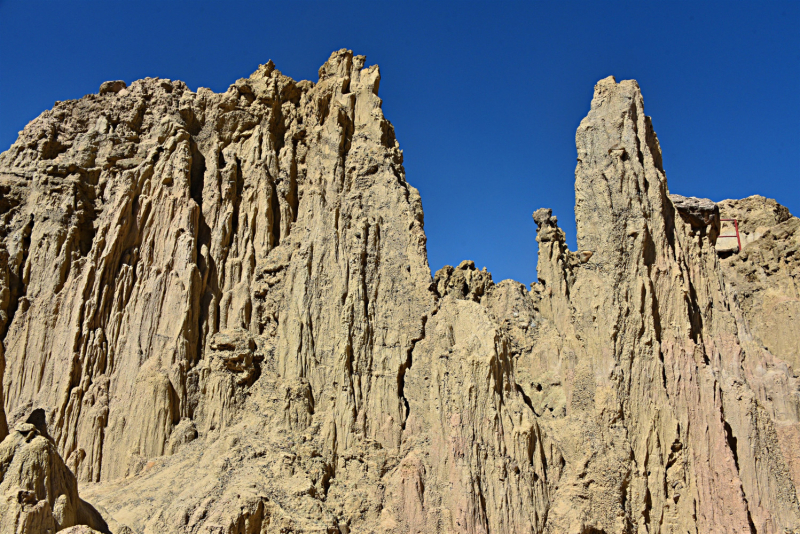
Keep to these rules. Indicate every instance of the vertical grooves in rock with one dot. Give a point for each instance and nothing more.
(253, 339)
(276, 215)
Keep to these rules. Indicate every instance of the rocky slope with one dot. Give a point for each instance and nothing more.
(222, 306)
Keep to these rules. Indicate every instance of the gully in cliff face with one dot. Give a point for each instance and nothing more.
(229, 323)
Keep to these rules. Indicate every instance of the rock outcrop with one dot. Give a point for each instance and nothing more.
(222, 304)
(702, 214)
(38, 492)
(765, 274)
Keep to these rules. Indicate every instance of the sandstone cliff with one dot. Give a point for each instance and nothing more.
(222, 305)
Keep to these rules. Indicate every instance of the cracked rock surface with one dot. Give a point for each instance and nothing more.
(220, 310)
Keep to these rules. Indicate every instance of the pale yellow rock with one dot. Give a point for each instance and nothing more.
(766, 273)
(222, 303)
(79, 529)
(38, 493)
(765, 279)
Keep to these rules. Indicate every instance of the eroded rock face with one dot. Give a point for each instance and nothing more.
(765, 275)
(38, 492)
(175, 260)
(665, 389)
(764, 281)
(223, 305)
(702, 214)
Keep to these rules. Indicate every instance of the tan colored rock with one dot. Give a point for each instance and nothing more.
(702, 214)
(38, 493)
(464, 281)
(764, 278)
(766, 274)
(276, 212)
(652, 262)
(79, 529)
(222, 302)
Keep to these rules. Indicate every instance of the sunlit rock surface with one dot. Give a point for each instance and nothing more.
(223, 307)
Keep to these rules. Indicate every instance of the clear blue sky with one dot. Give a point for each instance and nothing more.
(485, 97)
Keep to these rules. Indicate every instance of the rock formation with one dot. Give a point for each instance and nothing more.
(38, 493)
(765, 275)
(220, 306)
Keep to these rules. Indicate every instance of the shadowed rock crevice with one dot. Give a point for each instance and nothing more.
(197, 175)
(16, 283)
(405, 366)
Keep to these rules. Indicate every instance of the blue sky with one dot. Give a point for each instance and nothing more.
(485, 97)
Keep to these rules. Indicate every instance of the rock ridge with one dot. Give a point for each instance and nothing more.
(216, 312)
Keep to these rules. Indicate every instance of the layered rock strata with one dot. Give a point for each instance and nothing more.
(222, 305)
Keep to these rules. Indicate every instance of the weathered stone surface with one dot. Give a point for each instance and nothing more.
(146, 225)
(79, 529)
(223, 306)
(765, 275)
(662, 381)
(464, 281)
(38, 493)
(764, 281)
(701, 213)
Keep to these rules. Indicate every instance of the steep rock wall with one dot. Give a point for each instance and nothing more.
(664, 378)
(222, 304)
(151, 217)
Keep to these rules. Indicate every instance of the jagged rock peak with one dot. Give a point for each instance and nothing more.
(216, 313)
(462, 282)
(203, 250)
